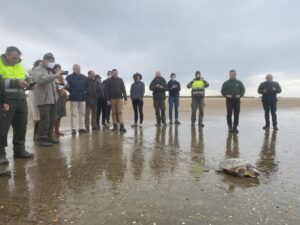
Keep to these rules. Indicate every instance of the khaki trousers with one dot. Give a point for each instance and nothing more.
(89, 109)
(117, 110)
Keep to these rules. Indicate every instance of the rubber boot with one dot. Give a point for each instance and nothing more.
(122, 128)
(3, 159)
(20, 152)
(115, 127)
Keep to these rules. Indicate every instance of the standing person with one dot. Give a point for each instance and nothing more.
(269, 90)
(233, 90)
(116, 92)
(174, 89)
(159, 87)
(92, 92)
(12, 71)
(198, 85)
(137, 92)
(76, 85)
(45, 96)
(107, 107)
(62, 99)
(33, 110)
(101, 103)
(4, 107)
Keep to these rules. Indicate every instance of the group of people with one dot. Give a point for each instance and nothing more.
(90, 97)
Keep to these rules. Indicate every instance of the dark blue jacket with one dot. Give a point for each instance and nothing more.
(77, 86)
(174, 88)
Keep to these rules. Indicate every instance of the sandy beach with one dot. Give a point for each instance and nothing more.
(161, 176)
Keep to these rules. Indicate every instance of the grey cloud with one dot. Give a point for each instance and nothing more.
(254, 37)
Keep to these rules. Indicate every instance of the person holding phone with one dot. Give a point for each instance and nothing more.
(46, 96)
(12, 71)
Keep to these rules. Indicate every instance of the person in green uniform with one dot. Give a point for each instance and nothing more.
(233, 90)
(11, 70)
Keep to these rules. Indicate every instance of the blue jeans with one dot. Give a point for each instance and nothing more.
(173, 101)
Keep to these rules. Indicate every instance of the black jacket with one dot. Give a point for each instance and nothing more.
(159, 87)
(269, 90)
(77, 85)
(115, 89)
(174, 88)
(92, 92)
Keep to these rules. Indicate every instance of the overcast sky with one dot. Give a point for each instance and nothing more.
(254, 37)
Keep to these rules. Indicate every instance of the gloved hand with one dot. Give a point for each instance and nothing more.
(237, 96)
(228, 96)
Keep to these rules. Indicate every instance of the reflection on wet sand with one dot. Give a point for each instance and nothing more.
(232, 146)
(137, 156)
(267, 163)
(197, 152)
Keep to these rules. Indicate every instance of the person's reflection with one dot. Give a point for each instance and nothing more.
(158, 161)
(137, 157)
(116, 165)
(174, 147)
(197, 152)
(232, 146)
(267, 162)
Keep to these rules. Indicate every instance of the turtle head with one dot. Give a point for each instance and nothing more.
(251, 171)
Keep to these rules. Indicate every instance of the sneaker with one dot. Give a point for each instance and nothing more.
(73, 132)
(275, 128)
(96, 128)
(53, 141)
(157, 124)
(177, 122)
(201, 125)
(171, 122)
(266, 127)
(134, 125)
(6, 173)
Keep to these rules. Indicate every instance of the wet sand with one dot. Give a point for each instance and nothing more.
(163, 175)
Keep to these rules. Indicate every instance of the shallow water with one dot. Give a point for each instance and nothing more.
(163, 175)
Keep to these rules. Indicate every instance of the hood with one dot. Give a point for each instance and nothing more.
(3, 57)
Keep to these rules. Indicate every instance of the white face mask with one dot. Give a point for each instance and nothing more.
(173, 78)
(51, 65)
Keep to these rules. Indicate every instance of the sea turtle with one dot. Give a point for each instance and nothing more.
(238, 167)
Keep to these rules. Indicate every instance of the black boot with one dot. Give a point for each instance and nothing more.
(122, 128)
(20, 152)
(115, 127)
(3, 159)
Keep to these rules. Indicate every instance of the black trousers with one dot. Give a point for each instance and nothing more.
(138, 110)
(270, 106)
(17, 118)
(160, 111)
(101, 108)
(233, 106)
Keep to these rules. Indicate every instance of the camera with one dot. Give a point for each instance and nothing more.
(65, 73)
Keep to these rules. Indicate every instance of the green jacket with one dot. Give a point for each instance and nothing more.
(233, 88)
